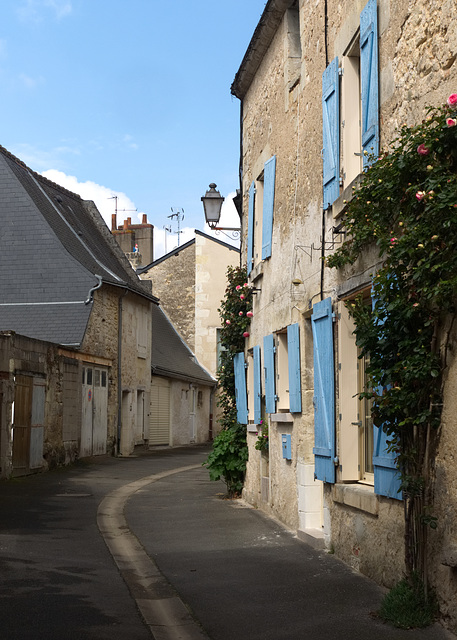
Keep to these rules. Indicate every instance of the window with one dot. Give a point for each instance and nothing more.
(254, 389)
(219, 348)
(142, 333)
(354, 416)
(360, 453)
(283, 371)
(260, 215)
(239, 366)
(350, 110)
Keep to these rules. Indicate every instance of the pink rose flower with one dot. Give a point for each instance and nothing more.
(451, 122)
(246, 334)
(242, 297)
(228, 322)
(245, 284)
(240, 313)
(422, 150)
(249, 314)
(420, 195)
(238, 287)
(452, 100)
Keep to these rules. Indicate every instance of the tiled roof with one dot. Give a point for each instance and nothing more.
(171, 357)
(52, 245)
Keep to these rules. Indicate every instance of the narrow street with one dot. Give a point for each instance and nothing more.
(145, 546)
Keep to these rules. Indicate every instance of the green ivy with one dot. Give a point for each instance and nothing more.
(406, 209)
(228, 458)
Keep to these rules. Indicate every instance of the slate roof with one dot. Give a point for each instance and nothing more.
(53, 244)
(171, 357)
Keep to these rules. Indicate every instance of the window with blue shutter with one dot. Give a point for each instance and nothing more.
(269, 175)
(240, 388)
(250, 256)
(369, 80)
(331, 136)
(324, 391)
(257, 386)
(269, 368)
(293, 351)
(386, 475)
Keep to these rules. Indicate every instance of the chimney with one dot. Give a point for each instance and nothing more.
(113, 222)
(145, 218)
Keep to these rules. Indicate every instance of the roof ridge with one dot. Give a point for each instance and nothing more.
(37, 175)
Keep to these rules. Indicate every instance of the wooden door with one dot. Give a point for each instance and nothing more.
(22, 420)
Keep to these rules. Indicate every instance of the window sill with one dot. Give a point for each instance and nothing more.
(357, 496)
(339, 206)
(281, 417)
(256, 272)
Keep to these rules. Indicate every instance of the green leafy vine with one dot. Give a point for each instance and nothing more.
(406, 209)
(229, 455)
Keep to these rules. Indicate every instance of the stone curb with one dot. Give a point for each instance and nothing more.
(164, 613)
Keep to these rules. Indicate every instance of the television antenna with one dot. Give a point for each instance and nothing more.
(179, 215)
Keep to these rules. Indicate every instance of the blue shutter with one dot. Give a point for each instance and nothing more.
(386, 475)
(331, 133)
(257, 386)
(269, 367)
(369, 80)
(240, 388)
(250, 256)
(293, 353)
(268, 205)
(324, 391)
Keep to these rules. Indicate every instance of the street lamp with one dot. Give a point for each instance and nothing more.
(212, 205)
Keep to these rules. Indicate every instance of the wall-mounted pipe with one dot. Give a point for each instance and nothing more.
(90, 295)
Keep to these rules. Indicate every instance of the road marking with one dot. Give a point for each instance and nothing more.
(164, 613)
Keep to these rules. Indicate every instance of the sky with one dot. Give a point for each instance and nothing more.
(128, 98)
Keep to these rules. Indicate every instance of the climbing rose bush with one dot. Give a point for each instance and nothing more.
(229, 455)
(406, 210)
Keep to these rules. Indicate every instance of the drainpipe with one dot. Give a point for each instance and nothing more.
(90, 295)
(119, 372)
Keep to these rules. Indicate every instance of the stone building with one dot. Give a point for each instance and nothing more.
(66, 282)
(190, 282)
(181, 390)
(319, 84)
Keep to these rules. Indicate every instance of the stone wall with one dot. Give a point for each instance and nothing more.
(41, 361)
(417, 67)
(173, 282)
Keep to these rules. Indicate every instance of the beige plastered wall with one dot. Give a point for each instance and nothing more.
(211, 262)
(417, 53)
(187, 428)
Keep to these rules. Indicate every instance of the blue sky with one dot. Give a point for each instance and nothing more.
(128, 98)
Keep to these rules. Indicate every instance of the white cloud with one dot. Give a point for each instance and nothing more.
(32, 10)
(29, 82)
(164, 245)
(104, 197)
(130, 143)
